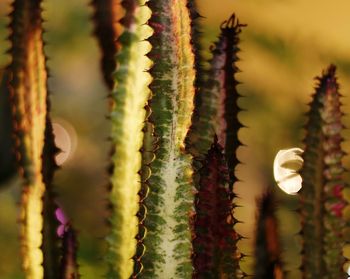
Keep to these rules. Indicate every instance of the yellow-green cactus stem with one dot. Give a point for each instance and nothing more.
(128, 97)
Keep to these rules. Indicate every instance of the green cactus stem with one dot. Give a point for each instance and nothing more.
(321, 196)
(215, 250)
(30, 105)
(129, 97)
(170, 197)
(268, 263)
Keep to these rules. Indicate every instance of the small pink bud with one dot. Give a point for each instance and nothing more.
(61, 217)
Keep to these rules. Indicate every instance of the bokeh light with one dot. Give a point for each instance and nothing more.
(65, 140)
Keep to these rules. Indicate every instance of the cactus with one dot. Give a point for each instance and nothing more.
(51, 243)
(35, 149)
(268, 259)
(7, 161)
(215, 250)
(174, 139)
(127, 115)
(170, 199)
(321, 194)
(216, 112)
(105, 16)
(216, 109)
(69, 266)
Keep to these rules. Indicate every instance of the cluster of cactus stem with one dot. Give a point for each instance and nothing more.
(174, 139)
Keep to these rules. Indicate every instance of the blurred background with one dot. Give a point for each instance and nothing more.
(286, 44)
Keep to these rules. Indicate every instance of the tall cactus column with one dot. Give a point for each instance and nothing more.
(129, 97)
(170, 199)
(268, 250)
(216, 117)
(29, 100)
(321, 195)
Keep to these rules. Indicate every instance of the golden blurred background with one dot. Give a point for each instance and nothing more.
(286, 44)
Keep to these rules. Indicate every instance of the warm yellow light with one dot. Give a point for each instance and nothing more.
(285, 169)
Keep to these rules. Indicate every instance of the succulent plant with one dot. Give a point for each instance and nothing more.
(322, 200)
(268, 258)
(174, 140)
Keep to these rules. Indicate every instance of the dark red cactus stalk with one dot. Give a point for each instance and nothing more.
(69, 265)
(228, 100)
(69, 261)
(216, 100)
(215, 251)
(51, 244)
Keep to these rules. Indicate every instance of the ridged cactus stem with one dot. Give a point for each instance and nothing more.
(128, 98)
(68, 263)
(69, 257)
(196, 29)
(215, 250)
(216, 113)
(29, 98)
(51, 244)
(217, 109)
(228, 99)
(268, 259)
(170, 199)
(107, 30)
(321, 195)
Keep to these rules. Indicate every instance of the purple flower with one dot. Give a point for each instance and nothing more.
(61, 217)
